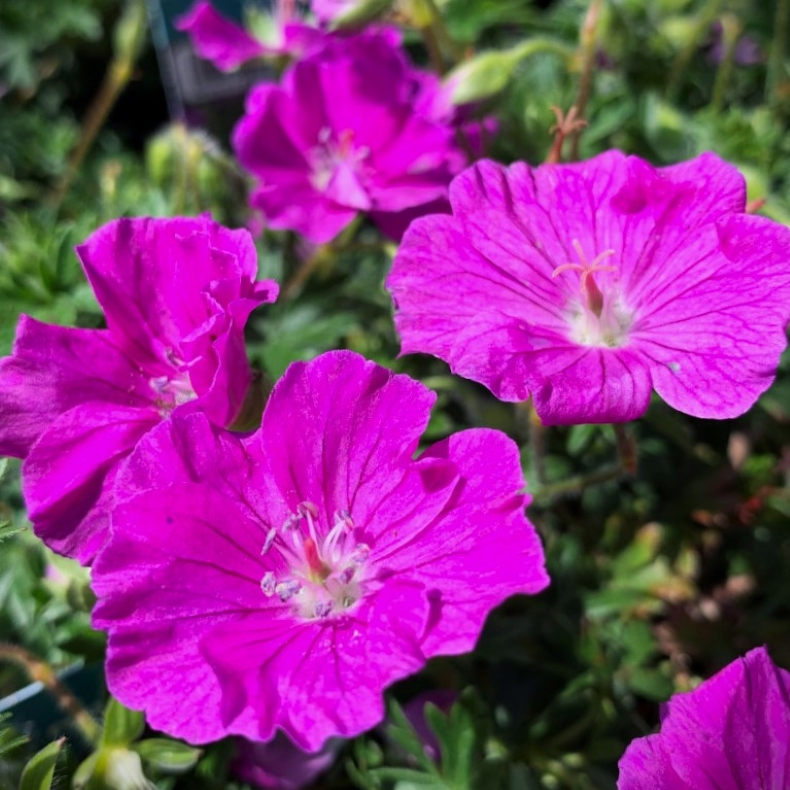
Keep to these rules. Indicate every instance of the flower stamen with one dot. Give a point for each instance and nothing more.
(324, 571)
(592, 293)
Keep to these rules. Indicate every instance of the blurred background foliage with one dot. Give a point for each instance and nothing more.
(659, 578)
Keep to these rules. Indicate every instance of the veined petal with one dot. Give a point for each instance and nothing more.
(150, 275)
(68, 475)
(332, 676)
(363, 428)
(730, 733)
(295, 561)
(482, 526)
(53, 369)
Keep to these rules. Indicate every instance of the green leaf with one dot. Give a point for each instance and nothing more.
(122, 726)
(167, 755)
(38, 773)
(8, 739)
(402, 733)
(8, 530)
(651, 683)
(85, 771)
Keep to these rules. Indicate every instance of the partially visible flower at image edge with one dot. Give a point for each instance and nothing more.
(278, 764)
(730, 733)
(228, 45)
(586, 286)
(295, 573)
(176, 294)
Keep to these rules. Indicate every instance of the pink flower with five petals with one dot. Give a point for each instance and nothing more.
(294, 574)
(176, 294)
(586, 286)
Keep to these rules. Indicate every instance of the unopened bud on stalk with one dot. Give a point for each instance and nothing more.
(488, 73)
(483, 76)
(130, 31)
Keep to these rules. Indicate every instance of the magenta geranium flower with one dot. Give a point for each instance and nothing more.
(176, 295)
(730, 733)
(228, 45)
(586, 286)
(341, 136)
(295, 574)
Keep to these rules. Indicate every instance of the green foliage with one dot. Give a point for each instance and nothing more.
(122, 727)
(34, 33)
(9, 740)
(40, 770)
(168, 756)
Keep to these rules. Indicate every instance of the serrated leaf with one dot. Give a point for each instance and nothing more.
(8, 530)
(402, 733)
(38, 773)
(167, 755)
(122, 726)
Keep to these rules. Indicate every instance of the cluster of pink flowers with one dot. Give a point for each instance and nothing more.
(294, 572)
(291, 573)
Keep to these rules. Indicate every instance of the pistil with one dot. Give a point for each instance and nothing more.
(590, 290)
(600, 318)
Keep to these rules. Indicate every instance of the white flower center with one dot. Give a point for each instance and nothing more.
(596, 317)
(173, 390)
(325, 571)
(332, 153)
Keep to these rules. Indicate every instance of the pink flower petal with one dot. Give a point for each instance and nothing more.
(364, 424)
(308, 566)
(730, 733)
(54, 368)
(68, 474)
(340, 135)
(217, 39)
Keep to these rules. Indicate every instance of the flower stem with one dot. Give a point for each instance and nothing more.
(626, 448)
(39, 670)
(776, 64)
(536, 433)
(324, 253)
(588, 39)
(440, 44)
(130, 34)
(575, 485)
(625, 466)
(730, 30)
(297, 280)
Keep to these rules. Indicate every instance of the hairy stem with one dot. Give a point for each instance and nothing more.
(588, 40)
(730, 30)
(130, 32)
(39, 670)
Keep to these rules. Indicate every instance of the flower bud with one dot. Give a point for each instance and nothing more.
(482, 76)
